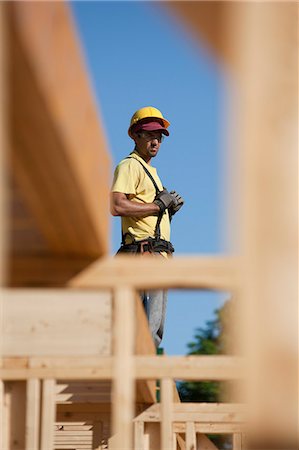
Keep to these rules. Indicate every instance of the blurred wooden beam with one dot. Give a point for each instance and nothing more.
(59, 155)
(206, 22)
(44, 270)
(145, 367)
(208, 272)
(3, 142)
(264, 41)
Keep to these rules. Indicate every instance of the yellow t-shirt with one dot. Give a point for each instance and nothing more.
(131, 179)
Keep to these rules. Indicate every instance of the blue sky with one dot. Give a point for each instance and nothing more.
(138, 55)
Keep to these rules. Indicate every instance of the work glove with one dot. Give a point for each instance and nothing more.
(177, 204)
(164, 200)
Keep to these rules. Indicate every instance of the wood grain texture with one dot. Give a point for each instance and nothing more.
(48, 412)
(63, 167)
(205, 272)
(144, 367)
(123, 368)
(4, 143)
(166, 413)
(32, 413)
(58, 322)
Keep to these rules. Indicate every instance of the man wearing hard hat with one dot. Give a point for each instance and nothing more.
(145, 206)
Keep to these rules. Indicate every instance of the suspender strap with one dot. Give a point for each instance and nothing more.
(157, 228)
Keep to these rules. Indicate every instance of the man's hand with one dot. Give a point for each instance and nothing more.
(164, 200)
(177, 204)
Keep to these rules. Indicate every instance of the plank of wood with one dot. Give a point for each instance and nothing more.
(145, 367)
(205, 272)
(123, 370)
(48, 412)
(264, 35)
(52, 327)
(181, 442)
(237, 441)
(190, 367)
(139, 435)
(166, 413)
(190, 436)
(197, 412)
(4, 142)
(144, 345)
(42, 269)
(2, 431)
(15, 411)
(211, 428)
(32, 413)
(50, 99)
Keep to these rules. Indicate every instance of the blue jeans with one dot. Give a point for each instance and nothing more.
(154, 303)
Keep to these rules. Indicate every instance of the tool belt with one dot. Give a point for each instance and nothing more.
(149, 245)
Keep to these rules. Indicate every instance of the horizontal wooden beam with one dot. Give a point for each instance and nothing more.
(197, 412)
(44, 270)
(211, 428)
(145, 368)
(204, 272)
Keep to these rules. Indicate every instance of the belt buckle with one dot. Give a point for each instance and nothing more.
(142, 245)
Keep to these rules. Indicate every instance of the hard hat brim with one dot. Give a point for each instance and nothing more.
(150, 124)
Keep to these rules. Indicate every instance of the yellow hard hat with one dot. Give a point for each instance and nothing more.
(148, 112)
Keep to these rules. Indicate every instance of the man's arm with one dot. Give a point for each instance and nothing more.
(120, 205)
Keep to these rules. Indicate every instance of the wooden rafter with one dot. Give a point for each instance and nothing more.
(59, 154)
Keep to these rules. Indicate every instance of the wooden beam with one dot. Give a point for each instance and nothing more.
(166, 414)
(123, 368)
(189, 367)
(144, 345)
(263, 126)
(2, 424)
(197, 412)
(190, 436)
(32, 414)
(237, 441)
(4, 143)
(44, 270)
(205, 272)
(63, 168)
(48, 415)
(211, 428)
(144, 368)
(15, 411)
(138, 435)
(206, 21)
(52, 327)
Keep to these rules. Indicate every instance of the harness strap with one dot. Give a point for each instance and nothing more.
(157, 228)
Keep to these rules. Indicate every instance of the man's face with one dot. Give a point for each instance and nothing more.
(148, 143)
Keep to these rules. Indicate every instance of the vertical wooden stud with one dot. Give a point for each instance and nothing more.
(190, 436)
(1, 414)
(139, 435)
(48, 415)
(237, 441)
(166, 413)
(32, 414)
(174, 441)
(123, 377)
(3, 140)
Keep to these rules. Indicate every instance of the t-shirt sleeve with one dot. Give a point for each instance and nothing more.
(125, 178)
